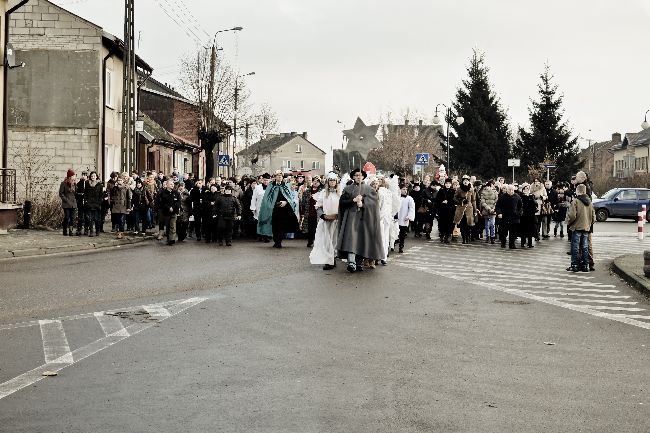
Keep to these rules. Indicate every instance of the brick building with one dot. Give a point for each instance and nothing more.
(599, 161)
(65, 104)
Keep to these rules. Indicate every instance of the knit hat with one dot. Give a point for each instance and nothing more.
(332, 175)
(70, 173)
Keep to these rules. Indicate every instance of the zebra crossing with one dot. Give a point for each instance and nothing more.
(542, 276)
(114, 325)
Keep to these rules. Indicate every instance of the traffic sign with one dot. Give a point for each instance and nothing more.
(549, 165)
(224, 160)
(514, 162)
(422, 158)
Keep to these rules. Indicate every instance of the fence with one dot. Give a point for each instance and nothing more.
(7, 185)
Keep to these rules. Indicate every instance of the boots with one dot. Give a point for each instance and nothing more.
(65, 231)
(492, 240)
(70, 232)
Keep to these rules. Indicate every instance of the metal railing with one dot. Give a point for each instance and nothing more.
(7, 185)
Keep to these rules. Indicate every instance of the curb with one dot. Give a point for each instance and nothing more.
(34, 252)
(629, 277)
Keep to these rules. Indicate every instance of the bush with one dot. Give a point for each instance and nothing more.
(47, 213)
(603, 184)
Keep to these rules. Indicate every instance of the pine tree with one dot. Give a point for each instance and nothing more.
(481, 145)
(549, 138)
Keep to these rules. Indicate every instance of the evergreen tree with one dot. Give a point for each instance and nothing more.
(549, 138)
(481, 145)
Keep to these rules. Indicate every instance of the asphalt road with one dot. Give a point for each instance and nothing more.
(252, 339)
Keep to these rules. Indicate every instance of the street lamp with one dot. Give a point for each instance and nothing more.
(645, 124)
(436, 121)
(234, 144)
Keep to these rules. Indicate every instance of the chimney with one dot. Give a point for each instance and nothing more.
(420, 122)
(294, 133)
(616, 137)
(304, 135)
(406, 122)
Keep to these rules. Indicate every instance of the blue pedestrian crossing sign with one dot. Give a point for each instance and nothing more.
(422, 159)
(224, 160)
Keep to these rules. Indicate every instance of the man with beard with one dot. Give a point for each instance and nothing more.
(359, 227)
(445, 209)
(277, 215)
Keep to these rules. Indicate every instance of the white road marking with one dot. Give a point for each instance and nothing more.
(54, 332)
(157, 311)
(111, 325)
(55, 343)
(590, 295)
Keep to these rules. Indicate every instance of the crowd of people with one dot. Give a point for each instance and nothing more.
(357, 217)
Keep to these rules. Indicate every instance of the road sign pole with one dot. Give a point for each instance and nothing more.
(513, 174)
(548, 173)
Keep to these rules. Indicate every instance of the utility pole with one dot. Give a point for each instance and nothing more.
(128, 90)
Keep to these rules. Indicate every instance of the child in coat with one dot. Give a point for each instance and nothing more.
(405, 216)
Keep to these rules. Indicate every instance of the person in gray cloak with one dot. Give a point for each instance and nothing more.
(359, 224)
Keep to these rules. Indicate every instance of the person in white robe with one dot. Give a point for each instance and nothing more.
(386, 213)
(327, 209)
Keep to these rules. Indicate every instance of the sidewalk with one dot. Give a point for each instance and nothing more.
(26, 243)
(630, 268)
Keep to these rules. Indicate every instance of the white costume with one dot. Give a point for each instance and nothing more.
(324, 250)
(386, 217)
(256, 200)
(394, 227)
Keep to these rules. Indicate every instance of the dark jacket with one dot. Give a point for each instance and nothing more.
(67, 195)
(209, 205)
(510, 208)
(120, 197)
(79, 194)
(527, 222)
(228, 207)
(196, 195)
(169, 202)
(94, 195)
(445, 210)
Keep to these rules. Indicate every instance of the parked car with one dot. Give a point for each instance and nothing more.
(622, 203)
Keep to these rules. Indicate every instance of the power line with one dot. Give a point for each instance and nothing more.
(183, 5)
(179, 15)
(175, 20)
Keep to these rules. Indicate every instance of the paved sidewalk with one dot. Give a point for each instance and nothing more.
(630, 268)
(26, 243)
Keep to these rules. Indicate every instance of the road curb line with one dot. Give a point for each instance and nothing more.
(629, 277)
(37, 252)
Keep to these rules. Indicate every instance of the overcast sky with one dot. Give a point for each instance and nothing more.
(319, 61)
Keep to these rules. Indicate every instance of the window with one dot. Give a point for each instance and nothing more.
(298, 148)
(644, 194)
(302, 164)
(627, 194)
(109, 89)
(315, 165)
(288, 164)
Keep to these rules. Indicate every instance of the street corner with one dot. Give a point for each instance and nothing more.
(630, 268)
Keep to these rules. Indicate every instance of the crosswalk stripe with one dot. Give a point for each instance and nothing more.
(608, 307)
(598, 301)
(55, 342)
(111, 325)
(546, 292)
(157, 311)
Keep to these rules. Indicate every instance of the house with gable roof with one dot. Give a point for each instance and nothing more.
(631, 155)
(287, 151)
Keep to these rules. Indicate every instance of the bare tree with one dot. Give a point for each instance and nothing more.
(401, 142)
(262, 121)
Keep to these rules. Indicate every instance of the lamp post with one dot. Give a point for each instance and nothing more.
(234, 144)
(436, 121)
(645, 125)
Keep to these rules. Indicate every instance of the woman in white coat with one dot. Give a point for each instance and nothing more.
(327, 230)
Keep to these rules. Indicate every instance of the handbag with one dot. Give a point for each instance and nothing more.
(456, 232)
(191, 219)
(423, 209)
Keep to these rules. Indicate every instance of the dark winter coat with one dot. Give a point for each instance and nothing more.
(169, 202)
(445, 211)
(120, 197)
(94, 195)
(527, 226)
(79, 194)
(428, 198)
(210, 204)
(510, 208)
(196, 195)
(186, 206)
(67, 195)
(136, 198)
(228, 207)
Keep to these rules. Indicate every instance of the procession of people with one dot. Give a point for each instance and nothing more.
(359, 218)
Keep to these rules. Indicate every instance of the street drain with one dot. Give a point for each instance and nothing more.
(498, 301)
(141, 316)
